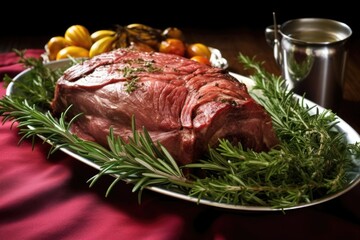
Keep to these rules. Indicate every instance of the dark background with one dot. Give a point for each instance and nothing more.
(53, 17)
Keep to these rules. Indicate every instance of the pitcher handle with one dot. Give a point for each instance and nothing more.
(274, 42)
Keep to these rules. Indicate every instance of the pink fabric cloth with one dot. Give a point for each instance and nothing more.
(9, 62)
(45, 197)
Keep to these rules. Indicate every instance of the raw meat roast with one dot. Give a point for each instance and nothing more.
(185, 105)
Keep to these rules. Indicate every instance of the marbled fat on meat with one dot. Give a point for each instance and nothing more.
(185, 105)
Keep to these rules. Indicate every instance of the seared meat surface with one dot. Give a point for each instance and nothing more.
(185, 105)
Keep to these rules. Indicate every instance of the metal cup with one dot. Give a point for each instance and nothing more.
(312, 53)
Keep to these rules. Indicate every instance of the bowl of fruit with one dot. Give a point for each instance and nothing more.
(79, 42)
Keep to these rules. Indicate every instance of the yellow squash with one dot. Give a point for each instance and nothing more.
(78, 35)
(54, 45)
(97, 35)
(102, 45)
(72, 51)
(142, 33)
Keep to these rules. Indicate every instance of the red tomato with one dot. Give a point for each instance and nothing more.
(198, 49)
(201, 59)
(173, 46)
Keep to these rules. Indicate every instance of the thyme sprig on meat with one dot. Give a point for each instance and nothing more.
(312, 161)
(130, 72)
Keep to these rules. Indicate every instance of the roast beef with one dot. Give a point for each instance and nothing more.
(185, 105)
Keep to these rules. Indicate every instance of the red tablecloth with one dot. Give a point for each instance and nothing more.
(49, 198)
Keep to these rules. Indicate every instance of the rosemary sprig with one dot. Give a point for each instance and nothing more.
(39, 83)
(312, 161)
(139, 160)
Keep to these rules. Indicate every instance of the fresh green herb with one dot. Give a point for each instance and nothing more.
(129, 72)
(149, 65)
(131, 84)
(38, 86)
(312, 161)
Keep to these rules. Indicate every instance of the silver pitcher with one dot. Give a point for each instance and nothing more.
(312, 53)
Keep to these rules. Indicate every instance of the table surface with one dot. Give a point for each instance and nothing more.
(337, 218)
